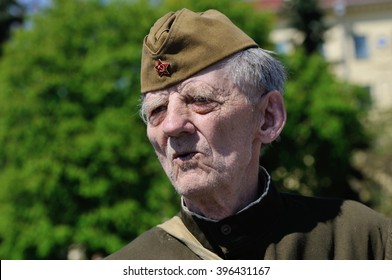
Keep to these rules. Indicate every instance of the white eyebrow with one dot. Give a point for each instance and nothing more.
(201, 90)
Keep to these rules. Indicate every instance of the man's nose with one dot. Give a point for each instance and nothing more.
(177, 120)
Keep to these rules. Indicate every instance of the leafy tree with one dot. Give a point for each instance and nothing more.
(75, 164)
(307, 17)
(377, 186)
(11, 14)
(332, 126)
(323, 131)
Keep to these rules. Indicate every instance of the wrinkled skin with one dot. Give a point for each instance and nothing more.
(207, 137)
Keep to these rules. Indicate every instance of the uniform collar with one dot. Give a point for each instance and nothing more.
(265, 186)
(235, 235)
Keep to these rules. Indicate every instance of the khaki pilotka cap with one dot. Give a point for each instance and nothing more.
(182, 43)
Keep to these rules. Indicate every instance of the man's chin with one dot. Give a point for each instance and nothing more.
(190, 182)
(192, 191)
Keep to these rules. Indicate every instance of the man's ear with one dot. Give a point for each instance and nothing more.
(272, 116)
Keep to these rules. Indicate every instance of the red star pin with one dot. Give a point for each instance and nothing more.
(162, 68)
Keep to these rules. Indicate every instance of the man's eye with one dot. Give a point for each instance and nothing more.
(158, 110)
(155, 115)
(199, 100)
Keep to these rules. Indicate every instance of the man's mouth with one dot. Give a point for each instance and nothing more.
(184, 156)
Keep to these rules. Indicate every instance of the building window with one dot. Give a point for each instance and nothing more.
(361, 47)
(282, 47)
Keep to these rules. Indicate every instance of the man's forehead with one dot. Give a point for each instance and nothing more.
(212, 78)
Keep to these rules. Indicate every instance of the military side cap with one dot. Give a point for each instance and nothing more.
(182, 43)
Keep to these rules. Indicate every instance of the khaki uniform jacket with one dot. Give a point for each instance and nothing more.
(280, 226)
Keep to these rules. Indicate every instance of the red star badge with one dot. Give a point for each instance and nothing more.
(162, 68)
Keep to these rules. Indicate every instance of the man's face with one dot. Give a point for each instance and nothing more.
(204, 133)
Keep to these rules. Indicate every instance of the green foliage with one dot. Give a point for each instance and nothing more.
(323, 130)
(75, 164)
(307, 17)
(377, 184)
(12, 13)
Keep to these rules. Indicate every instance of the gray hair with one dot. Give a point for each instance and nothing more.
(255, 72)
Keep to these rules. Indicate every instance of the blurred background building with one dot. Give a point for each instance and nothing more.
(358, 43)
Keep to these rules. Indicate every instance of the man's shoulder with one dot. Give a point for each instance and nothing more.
(330, 207)
(339, 215)
(154, 244)
(338, 226)
(357, 211)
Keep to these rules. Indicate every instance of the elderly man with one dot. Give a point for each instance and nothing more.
(211, 100)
